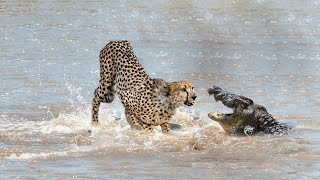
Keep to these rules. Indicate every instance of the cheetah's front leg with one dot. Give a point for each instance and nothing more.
(165, 127)
(147, 127)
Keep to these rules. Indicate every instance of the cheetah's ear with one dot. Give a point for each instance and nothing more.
(162, 86)
(175, 87)
(159, 82)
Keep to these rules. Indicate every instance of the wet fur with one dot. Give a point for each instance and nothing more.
(148, 102)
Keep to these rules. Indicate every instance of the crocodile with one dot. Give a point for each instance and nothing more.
(247, 117)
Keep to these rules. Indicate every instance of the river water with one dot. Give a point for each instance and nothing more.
(49, 67)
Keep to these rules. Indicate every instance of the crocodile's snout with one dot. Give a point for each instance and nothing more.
(214, 90)
(217, 92)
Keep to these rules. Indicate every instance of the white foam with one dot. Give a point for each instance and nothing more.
(67, 123)
(70, 130)
(27, 156)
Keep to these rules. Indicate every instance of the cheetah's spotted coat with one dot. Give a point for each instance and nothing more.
(148, 102)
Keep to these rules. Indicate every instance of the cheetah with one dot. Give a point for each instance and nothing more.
(147, 102)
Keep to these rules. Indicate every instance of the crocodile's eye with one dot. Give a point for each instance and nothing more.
(244, 106)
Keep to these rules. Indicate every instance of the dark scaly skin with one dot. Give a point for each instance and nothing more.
(247, 117)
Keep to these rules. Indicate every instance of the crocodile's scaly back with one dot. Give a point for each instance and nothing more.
(270, 125)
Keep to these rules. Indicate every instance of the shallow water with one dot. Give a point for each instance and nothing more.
(266, 50)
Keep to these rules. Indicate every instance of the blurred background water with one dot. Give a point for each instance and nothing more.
(49, 67)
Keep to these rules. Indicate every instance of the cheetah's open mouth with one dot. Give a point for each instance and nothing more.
(187, 103)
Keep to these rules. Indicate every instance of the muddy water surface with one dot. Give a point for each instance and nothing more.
(266, 50)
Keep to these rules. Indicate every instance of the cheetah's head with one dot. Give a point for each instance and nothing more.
(182, 93)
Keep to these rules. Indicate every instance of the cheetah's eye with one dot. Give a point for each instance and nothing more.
(185, 90)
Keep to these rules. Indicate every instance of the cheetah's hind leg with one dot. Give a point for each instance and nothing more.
(100, 95)
(108, 98)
